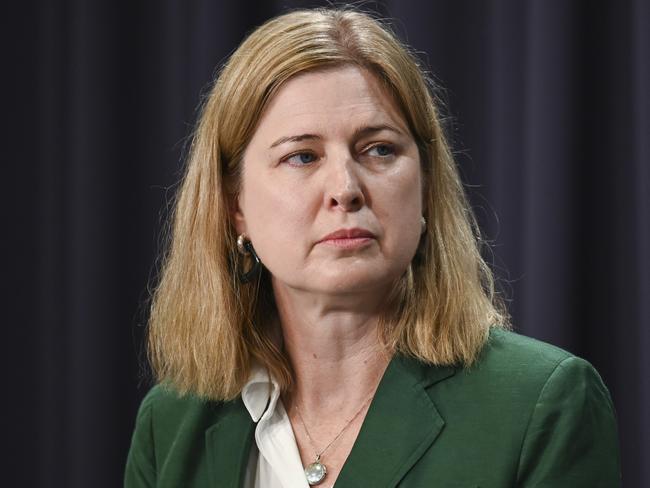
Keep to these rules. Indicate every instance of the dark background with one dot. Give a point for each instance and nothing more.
(549, 114)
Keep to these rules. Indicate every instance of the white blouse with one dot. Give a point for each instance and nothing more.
(274, 460)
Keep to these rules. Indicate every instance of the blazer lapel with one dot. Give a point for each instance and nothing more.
(401, 423)
(228, 445)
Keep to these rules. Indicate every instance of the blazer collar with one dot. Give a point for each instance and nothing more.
(401, 423)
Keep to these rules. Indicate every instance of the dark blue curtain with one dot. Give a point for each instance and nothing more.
(548, 112)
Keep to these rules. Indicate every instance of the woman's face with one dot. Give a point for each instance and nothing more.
(331, 193)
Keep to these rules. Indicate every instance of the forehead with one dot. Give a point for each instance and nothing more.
(330, 99)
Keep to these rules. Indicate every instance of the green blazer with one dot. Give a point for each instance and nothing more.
(526, 415)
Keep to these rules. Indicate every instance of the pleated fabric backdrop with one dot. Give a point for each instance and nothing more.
(549, 113)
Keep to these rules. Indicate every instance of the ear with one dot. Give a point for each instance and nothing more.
(237, 215)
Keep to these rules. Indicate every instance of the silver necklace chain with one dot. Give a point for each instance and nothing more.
(347, 424)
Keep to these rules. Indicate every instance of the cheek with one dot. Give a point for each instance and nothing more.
(277, 218)
(402, 207)
(276, 206)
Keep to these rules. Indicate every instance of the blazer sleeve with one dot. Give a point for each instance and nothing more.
(141, 465)
(571, 439)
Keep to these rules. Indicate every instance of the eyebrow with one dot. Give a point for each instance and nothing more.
(358, 133)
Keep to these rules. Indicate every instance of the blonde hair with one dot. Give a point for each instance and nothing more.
(205, 326)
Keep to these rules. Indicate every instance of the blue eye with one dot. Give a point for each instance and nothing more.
(381, 150)
(301, 159)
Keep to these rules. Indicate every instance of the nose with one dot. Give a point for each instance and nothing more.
(344, 186)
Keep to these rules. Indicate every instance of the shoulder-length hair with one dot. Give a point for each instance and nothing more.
(206, 327)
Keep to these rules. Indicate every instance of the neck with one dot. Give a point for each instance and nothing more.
(333, 346)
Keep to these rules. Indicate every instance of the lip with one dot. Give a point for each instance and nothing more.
(348, 238)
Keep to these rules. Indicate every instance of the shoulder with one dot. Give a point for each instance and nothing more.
(546, 407)
(165, 413)
(515, 359)
(505, 346)
(165, 402)
(167, 423)
(516, 376)
(569, 422)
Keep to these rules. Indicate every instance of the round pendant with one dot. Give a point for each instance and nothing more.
(315, 473)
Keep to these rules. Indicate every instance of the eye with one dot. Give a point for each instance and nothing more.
(300, 159)
(381, 150)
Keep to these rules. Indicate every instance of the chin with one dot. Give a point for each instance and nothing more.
(353, 281)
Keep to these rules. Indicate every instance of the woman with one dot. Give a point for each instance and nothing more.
(324, 315)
